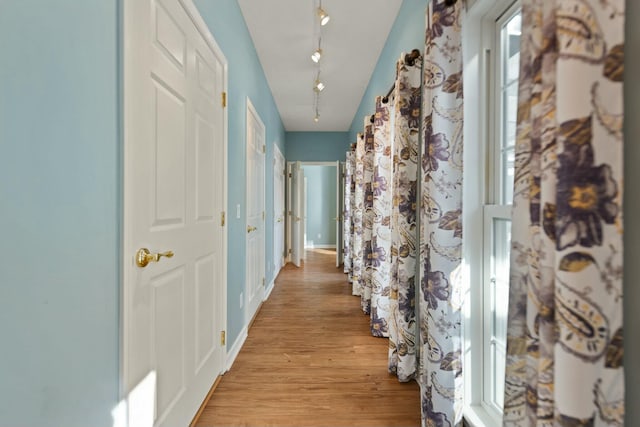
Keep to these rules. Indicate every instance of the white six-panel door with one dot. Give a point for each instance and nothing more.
(279, 167)
(174, 196)
(255, 262)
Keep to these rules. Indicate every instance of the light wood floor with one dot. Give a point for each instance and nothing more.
(310, 360)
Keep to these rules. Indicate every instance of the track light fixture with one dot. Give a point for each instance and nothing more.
(318, 86)
(315, 57)
(324, 16)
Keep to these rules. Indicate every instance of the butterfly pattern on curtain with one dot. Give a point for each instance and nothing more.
(564, 336)
(381, 220)
(404, 234)
(351, 167)
(440, 295)
(367, 218)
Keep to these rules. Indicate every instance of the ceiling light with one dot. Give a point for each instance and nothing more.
(324, 16)
(318, 86)
(316, 118)
(317, 55)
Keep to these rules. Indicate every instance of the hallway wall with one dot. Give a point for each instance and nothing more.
(321, 205)
(246, 79)
(316, 146)
(60, 210)
(406, 34)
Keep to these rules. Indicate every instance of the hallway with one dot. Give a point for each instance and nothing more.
(310, 360)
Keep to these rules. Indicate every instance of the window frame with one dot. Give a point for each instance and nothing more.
(482, 196)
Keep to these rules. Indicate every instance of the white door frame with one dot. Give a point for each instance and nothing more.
(330, 164)
(128, 92)
(251, 110)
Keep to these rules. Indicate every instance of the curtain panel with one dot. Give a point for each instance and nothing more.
(381, 219)
(346, 215)
(357, 261)
(440, 293)
(367, 218)
(404, 234)
(564, 336)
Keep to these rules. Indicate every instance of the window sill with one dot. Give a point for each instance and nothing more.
(477, 416)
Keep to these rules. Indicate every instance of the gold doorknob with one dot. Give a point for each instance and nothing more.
(250, 229)
(144, 257)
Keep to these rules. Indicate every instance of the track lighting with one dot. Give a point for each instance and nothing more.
(316, 118)
(318, 86)
(315, 57)
(324, 17)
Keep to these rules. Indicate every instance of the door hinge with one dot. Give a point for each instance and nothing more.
(263, 215)
(290, 175)
(223, 338)
(222, 218)
(264, 148)
(224, 99)
(263, 281)
(289, 251)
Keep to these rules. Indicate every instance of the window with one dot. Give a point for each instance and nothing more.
(497, 210)
(491, 79)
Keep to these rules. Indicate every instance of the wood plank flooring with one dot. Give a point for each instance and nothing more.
(310, 360)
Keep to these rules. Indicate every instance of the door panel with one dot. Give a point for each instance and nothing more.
(254, 288)
(297, 231)
(174, 194)
(278, 209)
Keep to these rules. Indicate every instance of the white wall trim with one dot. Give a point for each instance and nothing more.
(233, 352)
(269, 288)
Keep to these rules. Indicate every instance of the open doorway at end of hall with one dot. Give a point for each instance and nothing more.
(320, 208)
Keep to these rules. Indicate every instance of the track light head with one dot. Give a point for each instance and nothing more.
(324, 16)
(318, 86)
(317, 54)
(316, 118)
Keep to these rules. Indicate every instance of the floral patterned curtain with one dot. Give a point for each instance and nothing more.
(404, 235)
(351, 166)
(367, 218)
(346, 214)
(564, 337)
(441, 218)
(381, 219)
(357, 262)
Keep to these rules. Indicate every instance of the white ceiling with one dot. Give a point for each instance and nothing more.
(285, 34)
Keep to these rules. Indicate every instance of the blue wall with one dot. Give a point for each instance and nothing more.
(246, 79)
(406, 34)
(321, 204)
(316, 146)
(59, 212)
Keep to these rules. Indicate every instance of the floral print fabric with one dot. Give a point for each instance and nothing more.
(346, 215)
(381, 219)
(440, 378)
(367, 219)
(404, 234)
(564, 337)
(357, 261)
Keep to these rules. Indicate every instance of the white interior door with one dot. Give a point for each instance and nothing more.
(254, 287)
(297, 231)
(174, 198)
(278, 209)
(289, 214)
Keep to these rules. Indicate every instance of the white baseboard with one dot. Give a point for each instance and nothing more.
(320, 247)
(269, 289)
(235, 348)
